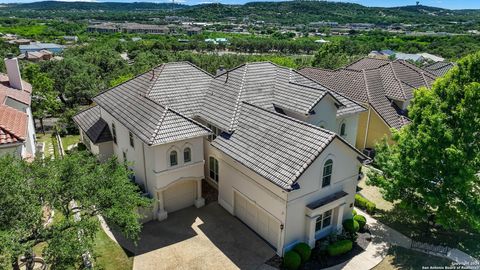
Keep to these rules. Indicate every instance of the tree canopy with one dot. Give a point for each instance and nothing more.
(433, 167)
(29, 191)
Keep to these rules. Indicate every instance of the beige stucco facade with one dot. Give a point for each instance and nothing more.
(371, 129)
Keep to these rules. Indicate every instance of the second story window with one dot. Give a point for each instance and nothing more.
(327, 173)
(114, 133)
(130, 137)
(187, 155)
(173, 158)
(342, 129)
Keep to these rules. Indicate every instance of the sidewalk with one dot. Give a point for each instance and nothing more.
(382, 238)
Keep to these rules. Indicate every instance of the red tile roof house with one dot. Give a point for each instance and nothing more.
(263, 135)
(17, 132)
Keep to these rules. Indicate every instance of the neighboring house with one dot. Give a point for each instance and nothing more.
(17, 133)
(432, 57)
(261, 134)
(439, 68)
(385, 87)
(36, 56)
(35, 47)
(409, 57)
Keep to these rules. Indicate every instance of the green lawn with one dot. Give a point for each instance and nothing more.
(70, 140)
(109, 255)
(24, 30)
(47, 139)
(405, 259)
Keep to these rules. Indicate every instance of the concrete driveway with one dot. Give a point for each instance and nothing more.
(205, 238)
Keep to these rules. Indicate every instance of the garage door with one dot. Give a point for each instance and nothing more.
(257, 219)
(179, 196)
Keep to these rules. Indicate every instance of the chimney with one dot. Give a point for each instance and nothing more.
(220, 71)
(13, 72)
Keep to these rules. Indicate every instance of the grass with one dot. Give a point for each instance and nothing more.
(47, 139)
(24, 30)
(70, 140)
(405, 259)
(109, 255)
(417, 229)
(56, 154)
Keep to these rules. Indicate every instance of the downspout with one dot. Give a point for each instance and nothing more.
(145, 168)
(368, 126)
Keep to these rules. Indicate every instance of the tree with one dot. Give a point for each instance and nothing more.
(433, 166)
(28, 192)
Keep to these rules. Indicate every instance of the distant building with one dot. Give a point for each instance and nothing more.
(36, 56)
(35, 47)
(103, 28)
(129, 28)
(384, 54)
(21, 41)
(321, 41)
(409, 57)
(70, 38)
(432, 57)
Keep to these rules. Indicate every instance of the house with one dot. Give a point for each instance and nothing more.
(72, 39)
(432, 57)
(17, 133)
(384, 54)
(35, 47)
(409, 57)
(36, 56)
(439, 68)
(275, 144)
(385, 87)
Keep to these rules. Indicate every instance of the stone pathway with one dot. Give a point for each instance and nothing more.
(383, 237)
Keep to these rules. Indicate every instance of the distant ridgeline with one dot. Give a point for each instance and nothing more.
(287, 13)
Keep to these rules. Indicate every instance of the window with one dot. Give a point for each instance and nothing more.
(114, 133)
(187, 155)
(327, 173)
(173, 158)
(323, 221)
(215, 132)
(342, 129)
(213, 168)
(130, 137)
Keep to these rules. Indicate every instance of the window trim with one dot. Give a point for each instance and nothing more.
(189, 154)
(174, 151)
(321, 219)
(326, 174)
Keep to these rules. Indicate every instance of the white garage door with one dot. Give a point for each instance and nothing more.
(258, 219)
(179, 196)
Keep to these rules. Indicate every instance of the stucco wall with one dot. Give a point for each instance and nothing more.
(344, 177)
(351, 127)
(375, 130)
(15, 150)
(325, 114)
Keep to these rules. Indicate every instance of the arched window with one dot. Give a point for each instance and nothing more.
(187, 155)
(327, 173)
(342, 129)
(173, 158)
(213, 168)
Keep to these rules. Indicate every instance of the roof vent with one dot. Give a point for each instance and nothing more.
(220, 70)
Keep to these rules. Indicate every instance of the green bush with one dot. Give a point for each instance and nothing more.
(303, 250)
(351, 226)
(365, 204)
(354, 212)
(291, 260)
(340, 247)
(362, 221)
(81, 147)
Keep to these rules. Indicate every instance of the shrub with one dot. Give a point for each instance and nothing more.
(351, 226)
(303, 250)
(340, 247)
(81, 147)
(365, 204)
(354, 212)
(291, 260)
(361, 221)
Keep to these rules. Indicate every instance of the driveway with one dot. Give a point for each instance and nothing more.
(205, 238)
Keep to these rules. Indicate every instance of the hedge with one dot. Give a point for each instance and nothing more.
(362, 221)
(351, 226)
(354, 212)
(339, 247)
(303, 250)
(291, 260)
(365, 204)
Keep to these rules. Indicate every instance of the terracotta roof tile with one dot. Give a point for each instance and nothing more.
(13, 125)
(23, 96)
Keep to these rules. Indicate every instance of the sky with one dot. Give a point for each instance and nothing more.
(451, 4)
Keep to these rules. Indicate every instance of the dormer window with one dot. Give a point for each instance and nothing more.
(173, 158)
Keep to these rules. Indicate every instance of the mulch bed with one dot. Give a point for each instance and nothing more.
(320, 261)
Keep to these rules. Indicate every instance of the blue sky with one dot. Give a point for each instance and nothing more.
(452, 4)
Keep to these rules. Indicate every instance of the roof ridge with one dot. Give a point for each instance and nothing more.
(239, 96)
(152, 84)
(157, 128)
(366, 85)
(290, 118)
(416, 69)
(399, 81)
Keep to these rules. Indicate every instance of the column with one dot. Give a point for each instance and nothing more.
(310, 222)
(340, 217)
(162, 214)
(200, 201)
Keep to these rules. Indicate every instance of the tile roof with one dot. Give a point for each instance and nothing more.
(277, 147)
(439, 68)
(13, 125)
(150, 121)
(94, 126)
(6, 91)
(266, 85)
(376, 82)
